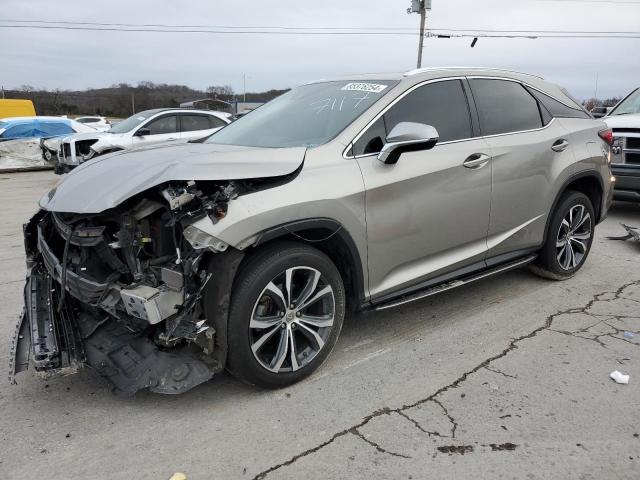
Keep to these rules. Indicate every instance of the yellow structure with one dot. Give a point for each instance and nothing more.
(16, 108)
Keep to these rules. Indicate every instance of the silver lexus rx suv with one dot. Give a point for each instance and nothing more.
(161, 267)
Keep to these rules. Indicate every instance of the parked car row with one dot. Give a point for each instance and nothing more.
(150, 127)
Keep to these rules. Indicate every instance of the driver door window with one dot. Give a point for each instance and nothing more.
(442, 105)
(163, 125)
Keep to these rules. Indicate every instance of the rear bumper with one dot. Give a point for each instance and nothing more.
(627, 185)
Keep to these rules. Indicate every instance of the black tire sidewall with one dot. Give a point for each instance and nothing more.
(548, 255)
(252, 278)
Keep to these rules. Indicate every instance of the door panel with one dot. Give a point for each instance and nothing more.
(426, 215)
(525, 173)
(529, 152)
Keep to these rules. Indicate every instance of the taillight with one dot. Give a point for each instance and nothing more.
(607, 136)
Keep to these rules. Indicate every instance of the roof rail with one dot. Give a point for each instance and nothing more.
(431, 69)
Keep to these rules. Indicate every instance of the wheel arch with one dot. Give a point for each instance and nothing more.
(327, 235)
(588, 182)
(330, 237)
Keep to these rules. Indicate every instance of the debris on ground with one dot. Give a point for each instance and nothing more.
(619, 377)
(178, 476)
(503, 446)
(460, 449)
(632, 234)
(628, 335)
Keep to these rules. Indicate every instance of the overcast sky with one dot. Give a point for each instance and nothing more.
(69, 59)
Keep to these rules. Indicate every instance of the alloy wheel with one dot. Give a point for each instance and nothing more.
(574, 234)
(292, 319)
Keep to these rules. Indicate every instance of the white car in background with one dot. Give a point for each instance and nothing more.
(99, 123)
(162, 125)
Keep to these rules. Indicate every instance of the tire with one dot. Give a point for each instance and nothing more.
(567, 245)
(260, 322)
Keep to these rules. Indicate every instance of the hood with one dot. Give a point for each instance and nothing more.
(107, 181)
(631, 120)
(85, 136)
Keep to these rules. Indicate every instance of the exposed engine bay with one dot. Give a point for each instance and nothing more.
(122, 290)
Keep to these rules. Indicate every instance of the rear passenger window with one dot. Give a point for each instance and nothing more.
(163, 125)
(442, 105)
(216, 122)
(505, 107)
(194, 122)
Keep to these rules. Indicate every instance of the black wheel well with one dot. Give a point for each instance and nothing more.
(334, 241)
(592, 188)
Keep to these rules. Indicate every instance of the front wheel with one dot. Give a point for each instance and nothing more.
(569, 238)
(286, 313)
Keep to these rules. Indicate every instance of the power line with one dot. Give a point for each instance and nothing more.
(253, 28)
(217, 32)
(481, 32)
(165, 25)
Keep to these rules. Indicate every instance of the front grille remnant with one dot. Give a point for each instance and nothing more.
(626, 147)
(55, 342)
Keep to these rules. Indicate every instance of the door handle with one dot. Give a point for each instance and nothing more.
(560, 145)
(477, 160)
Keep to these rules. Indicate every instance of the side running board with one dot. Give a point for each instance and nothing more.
(442, 287)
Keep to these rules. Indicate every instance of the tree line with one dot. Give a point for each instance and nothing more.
(122, 100)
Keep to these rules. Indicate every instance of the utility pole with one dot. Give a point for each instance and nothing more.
(421, 7)
(244, 87)
(133, 104)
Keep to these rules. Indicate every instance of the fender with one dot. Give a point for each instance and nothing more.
(321, 226)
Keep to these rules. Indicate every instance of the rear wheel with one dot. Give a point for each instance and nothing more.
(286, 313)
(569, 238)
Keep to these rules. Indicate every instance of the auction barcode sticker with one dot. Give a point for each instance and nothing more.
(365, 87)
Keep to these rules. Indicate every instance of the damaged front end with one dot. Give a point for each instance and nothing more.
(122, 290)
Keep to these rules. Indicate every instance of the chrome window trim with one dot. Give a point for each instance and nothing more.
(487, 77)
(417, 71)
(426, 82)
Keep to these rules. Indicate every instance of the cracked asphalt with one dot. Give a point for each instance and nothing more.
(505, 378)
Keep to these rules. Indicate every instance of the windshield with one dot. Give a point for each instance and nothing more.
(131, 122)
(631, 104)
(303, 117)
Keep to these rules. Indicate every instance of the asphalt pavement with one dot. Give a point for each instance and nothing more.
(504, 378)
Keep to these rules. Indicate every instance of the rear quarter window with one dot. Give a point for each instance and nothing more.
(556, 108)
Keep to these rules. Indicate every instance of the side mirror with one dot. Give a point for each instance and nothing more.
(142, 132)
(407, 137)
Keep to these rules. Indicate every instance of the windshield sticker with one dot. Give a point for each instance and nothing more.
(141, 118)
(365, 87)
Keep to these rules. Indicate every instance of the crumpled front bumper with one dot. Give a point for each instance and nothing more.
(57, 334)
